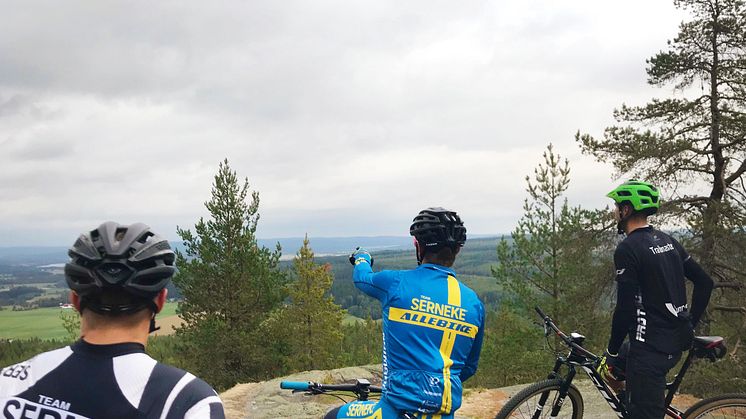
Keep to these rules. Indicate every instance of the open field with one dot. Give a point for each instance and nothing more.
(45, 323)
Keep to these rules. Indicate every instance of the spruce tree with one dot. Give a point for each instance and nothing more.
(308, 327)
(229, 284)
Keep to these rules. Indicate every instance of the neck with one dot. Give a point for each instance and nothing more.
(635, 223)
(436, 262)
(112, 334)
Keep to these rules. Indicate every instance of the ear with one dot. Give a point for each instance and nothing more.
(75, 300)
(160, 299)
(626, 210)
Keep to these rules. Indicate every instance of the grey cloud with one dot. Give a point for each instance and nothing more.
(122, 110)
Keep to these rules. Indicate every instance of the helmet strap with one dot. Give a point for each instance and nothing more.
(153, 327)
(621, 225)
(417, 251)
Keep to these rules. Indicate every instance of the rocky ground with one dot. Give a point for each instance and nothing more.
(266, 400)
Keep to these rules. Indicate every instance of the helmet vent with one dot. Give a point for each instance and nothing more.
(624, 193)
(163, 246)
(144, 238)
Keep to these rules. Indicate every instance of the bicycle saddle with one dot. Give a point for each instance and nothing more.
(711, 347)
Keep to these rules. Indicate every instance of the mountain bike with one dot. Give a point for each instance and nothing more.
(361, 389)
(548, 398)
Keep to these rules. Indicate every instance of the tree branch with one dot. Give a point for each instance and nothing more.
(735, 175)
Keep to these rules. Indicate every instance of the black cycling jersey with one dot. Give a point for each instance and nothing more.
(651, 291)
(103, 381)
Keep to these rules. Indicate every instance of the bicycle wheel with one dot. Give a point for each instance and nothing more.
(727, 406)
(525, 403)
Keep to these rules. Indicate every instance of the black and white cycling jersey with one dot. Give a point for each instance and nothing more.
(103, 381)
(651, 268)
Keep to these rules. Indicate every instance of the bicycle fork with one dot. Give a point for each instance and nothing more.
(564, 388)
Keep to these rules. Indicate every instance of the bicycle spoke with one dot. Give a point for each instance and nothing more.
(530, 408)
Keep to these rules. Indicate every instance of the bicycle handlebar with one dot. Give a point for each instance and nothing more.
(568, 341)
(294, 385)
(541, 313)
(319, 388)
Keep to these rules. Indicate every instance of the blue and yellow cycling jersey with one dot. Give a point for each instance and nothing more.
(432, 335)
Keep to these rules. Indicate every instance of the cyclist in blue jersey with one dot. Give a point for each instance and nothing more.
(118, 276)
(432, 325)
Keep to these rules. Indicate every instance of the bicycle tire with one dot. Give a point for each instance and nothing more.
(520, 405)
(729, 406)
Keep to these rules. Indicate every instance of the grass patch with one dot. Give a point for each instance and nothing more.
(44, 323)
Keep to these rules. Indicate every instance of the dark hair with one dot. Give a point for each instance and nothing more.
(445, 256)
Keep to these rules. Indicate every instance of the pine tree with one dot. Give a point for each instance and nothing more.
(693, 145)
(229, 284)
(558, 255)
(309, 325)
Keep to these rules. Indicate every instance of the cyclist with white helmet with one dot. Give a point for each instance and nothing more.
(118, 276)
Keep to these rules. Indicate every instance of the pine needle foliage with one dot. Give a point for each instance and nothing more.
(229, 283)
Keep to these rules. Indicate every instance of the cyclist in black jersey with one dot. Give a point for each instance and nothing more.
(651, 307)
(117, 274)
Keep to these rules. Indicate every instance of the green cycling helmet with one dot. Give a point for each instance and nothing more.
(642, 196)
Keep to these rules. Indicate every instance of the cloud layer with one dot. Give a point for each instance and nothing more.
(347, 117)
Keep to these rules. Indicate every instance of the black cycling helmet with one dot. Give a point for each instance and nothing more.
(436, 227)
(130, 258)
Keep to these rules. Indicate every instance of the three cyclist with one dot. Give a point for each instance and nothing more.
(651, 308)
(118, 276)
(432, 324)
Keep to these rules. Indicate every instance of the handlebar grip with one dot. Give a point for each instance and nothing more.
(541, 313)
(294, 385)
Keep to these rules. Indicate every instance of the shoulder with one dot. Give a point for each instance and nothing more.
(187, 395)
(626, 247)
(468, 293)
(470, 297)
(16, 378)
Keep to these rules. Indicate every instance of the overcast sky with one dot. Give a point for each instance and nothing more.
(348, 117)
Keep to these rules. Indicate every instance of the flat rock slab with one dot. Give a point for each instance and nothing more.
(266, 400)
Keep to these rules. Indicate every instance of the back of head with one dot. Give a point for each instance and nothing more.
(439, 233)
(119, 269)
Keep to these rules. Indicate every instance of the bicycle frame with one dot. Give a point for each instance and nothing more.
(581, 357)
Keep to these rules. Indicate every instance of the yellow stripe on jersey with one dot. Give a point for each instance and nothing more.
(446, 347)
(454, 292)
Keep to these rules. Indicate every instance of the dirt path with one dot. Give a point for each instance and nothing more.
(265, 400)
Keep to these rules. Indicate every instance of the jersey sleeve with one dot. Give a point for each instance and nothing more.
(681, 251)
(472, 361)
(628, 286)
(195, 400)
(703, 284)
(375, 284)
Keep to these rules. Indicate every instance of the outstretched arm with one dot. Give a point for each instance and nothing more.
(376, 285)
